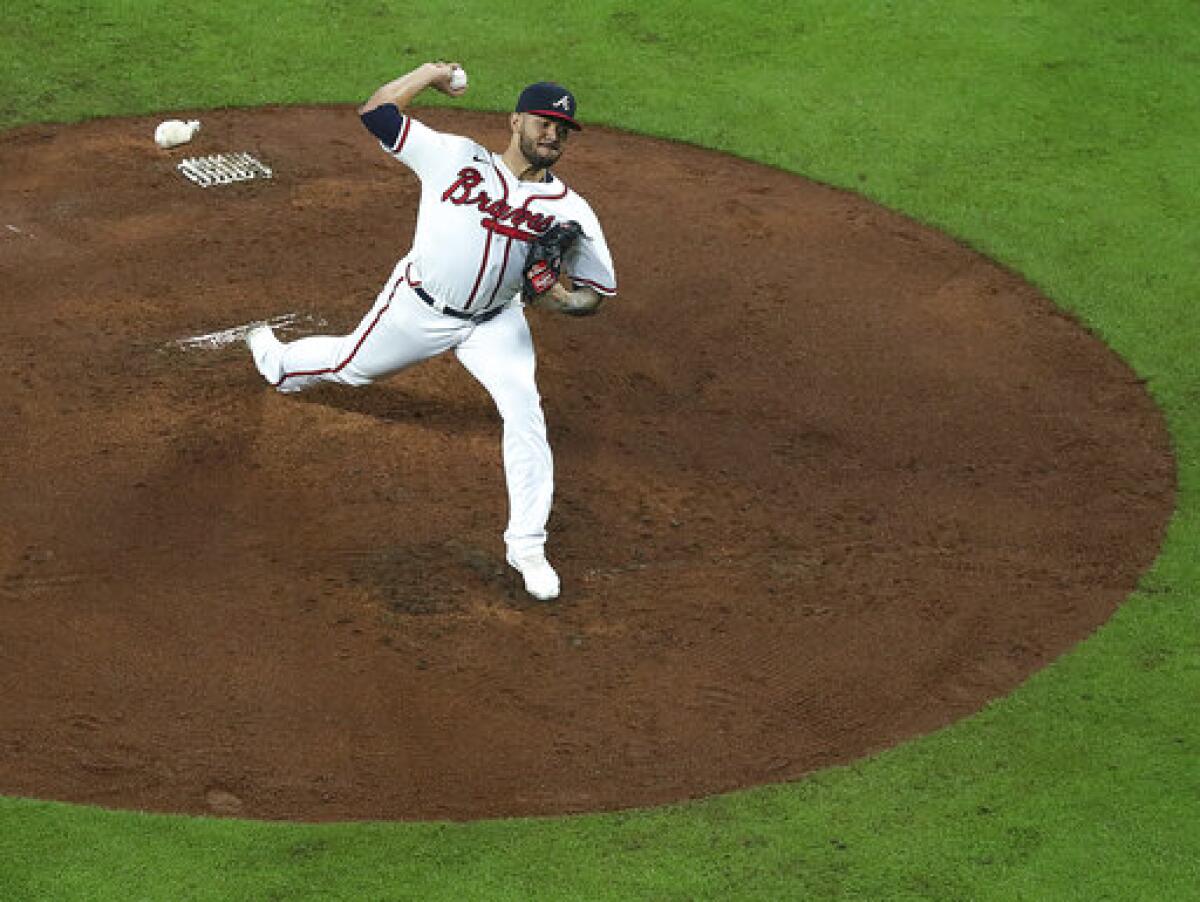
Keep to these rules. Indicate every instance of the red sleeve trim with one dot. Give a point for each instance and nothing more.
(403, 135)
(603, 289)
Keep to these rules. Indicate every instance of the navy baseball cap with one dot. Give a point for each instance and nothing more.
(545, 98)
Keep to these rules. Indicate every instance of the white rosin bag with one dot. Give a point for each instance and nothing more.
(174, 132)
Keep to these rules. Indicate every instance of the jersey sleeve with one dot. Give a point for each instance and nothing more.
(413, 143)
(589, 262)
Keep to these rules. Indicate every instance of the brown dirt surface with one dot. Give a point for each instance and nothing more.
(828, 480)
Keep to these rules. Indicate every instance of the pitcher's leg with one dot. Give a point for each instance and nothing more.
(395, 333)
(500, 355)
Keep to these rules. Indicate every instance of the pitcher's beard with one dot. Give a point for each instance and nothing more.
(539, 157)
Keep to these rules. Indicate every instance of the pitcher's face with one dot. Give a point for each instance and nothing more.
(540, 139)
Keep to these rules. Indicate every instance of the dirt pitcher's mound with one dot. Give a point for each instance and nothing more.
(827, 480)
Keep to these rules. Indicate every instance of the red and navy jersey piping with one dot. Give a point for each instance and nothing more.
(603, 289)
(403, 135)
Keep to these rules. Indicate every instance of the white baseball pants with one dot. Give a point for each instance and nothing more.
(403, 330)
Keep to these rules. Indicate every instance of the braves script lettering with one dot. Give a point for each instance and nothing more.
(500, 216)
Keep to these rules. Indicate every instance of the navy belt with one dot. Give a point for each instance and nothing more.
(457, 314)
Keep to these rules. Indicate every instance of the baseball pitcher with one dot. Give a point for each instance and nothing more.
(495, 232)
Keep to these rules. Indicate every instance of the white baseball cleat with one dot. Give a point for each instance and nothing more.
(540, 579)
(264, 347)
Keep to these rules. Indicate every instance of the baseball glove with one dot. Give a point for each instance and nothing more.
(543, 265)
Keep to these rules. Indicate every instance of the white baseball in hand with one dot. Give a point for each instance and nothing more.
(458, 78)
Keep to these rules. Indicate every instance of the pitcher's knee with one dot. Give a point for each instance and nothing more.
(354, 377)
(523, 417)
(296, 382)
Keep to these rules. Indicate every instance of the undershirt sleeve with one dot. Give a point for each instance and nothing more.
(384, 122)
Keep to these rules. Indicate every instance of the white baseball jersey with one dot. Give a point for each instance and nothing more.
(475, 221)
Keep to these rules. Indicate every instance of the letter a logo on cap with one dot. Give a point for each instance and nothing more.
(564, 102)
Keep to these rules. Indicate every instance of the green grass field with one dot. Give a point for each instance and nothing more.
(1057, 137)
